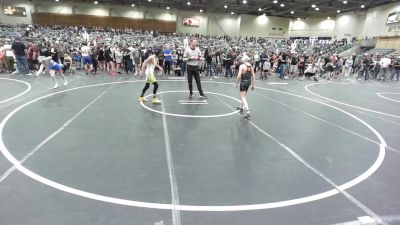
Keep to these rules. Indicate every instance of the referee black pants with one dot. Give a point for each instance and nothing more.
(193, 71)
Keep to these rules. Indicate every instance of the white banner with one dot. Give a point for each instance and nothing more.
(191, 22)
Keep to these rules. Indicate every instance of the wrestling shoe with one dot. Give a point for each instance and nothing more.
(247, 115)
(156, 101)
(142, 99)
(240, 108)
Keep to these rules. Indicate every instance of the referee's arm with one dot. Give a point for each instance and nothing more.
(185, 56)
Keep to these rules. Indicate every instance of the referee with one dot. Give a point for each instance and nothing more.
(192, 57)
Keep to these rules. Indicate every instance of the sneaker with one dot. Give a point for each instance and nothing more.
(202, 97)
(156, 101)
(55, 86)
(29, 74)
(14, 73)
(191, 96)
(142, 99)
(65, 83)
(240, 108)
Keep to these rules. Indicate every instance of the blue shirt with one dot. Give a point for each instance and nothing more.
(168, 58)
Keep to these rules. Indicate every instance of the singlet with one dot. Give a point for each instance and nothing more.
(48, 62)
(246, 78)
(150, 67)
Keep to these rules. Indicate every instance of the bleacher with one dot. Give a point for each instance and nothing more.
(395, 54)
(380, 51)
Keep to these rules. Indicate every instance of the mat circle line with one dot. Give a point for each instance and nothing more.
(381, 95)
(20, 94)
(346, 104)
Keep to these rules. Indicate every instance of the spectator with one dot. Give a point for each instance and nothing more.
(383, 72)
(167, 60)
(396, 69)
(21, 52)
(33, 55)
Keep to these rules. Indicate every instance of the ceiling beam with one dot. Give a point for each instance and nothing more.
(212, 5)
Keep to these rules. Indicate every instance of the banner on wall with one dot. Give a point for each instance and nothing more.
(393, 17)
(14, 11)
(191, 22)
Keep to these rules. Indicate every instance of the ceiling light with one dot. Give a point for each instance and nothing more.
(133, 5)
(344, 2)
(168, 7)
(188, 3)
(259, 9)
(225, 6)
(149, 0)
(362, 6)
(282, 5)
(57, 0)
(313, 6)
(275, 1)
(338, 11)
(244, 2)
(298, 19)
(291, 12)
(317, 9)
(96, 2)
(201, 10)
(329, 18)
(232, 13)
(264, 14)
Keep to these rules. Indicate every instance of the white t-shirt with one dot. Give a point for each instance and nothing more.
(349, 62)
(385, 62)
(311, 69)
(9, 52)
(85, 50)
(266, 65)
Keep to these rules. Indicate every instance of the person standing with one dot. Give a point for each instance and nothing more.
(209, 63)
(167, 60)
(396, 69)
(180, 63)
(21, 52)
(118, 56)
(137, 56)
(148, 68)
(218, 64)
(383, 72)
(229, 63)
(33, 55)
(365, 66)
(348, 67)
(282, 65)
(9, 58)
(86, 59)
(192, 57)
(246, 77)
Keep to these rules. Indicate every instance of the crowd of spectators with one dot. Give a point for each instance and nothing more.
(122, 51)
